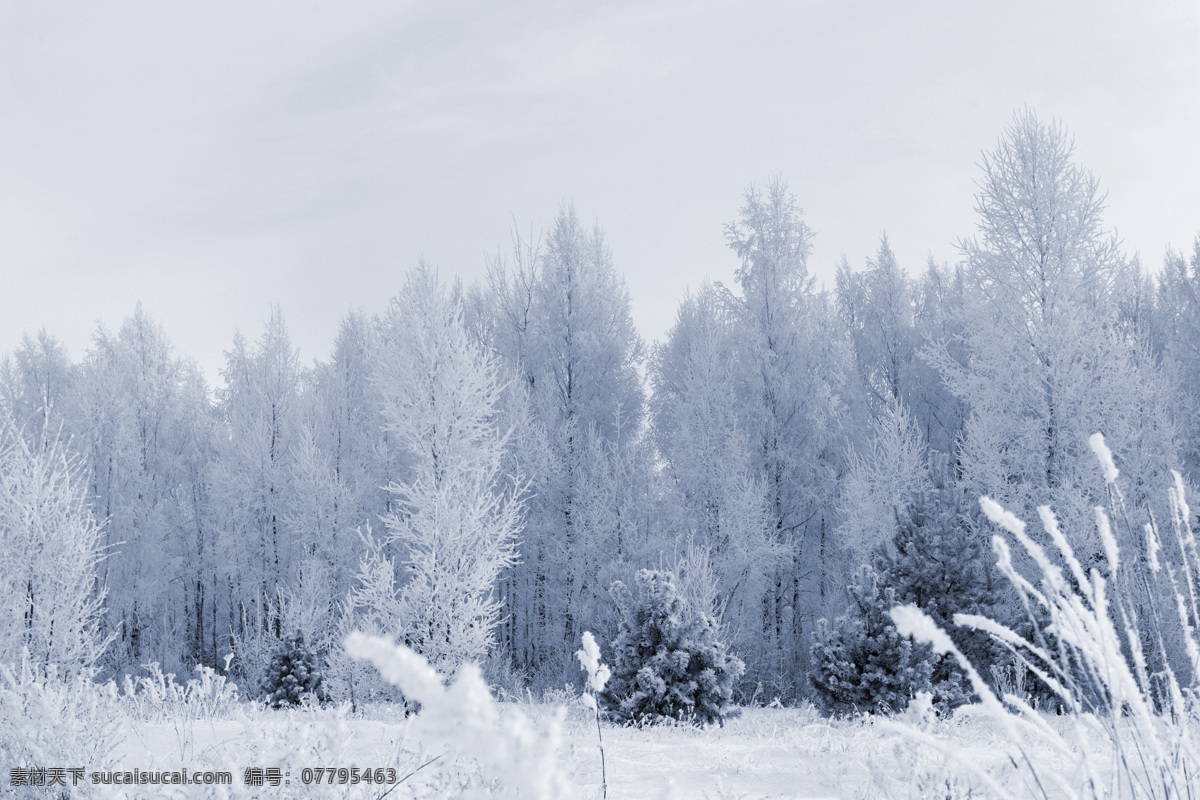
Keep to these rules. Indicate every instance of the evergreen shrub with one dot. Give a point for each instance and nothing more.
(938, 562)
(862, 663)
(292, 674)
(668, 663)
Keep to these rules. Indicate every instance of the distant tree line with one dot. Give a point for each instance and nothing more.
(470, 471)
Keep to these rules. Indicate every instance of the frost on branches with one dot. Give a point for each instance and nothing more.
(458, 515)
(50, 547)
(669, 664)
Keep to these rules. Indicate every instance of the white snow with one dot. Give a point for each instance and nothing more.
(765, 753)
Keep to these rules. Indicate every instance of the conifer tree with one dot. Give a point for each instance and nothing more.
(862, 663)
(668, 663)
(937, 562)
(292, 674)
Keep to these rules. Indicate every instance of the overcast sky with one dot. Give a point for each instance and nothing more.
(213, 158)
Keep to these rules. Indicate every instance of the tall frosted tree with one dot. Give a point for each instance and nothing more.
(714, 499)
(887, 480)
(940, 320)
(1045, 363)
(891, 319)
(458, 514)
(341, 467)
(144, 435)
(876, 306)
(1176, 341)
(37, 387)
(791, 388)
(585, 356)
(258, 408)
(560, 318)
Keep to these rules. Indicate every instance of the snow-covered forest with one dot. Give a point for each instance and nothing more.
(485, 472)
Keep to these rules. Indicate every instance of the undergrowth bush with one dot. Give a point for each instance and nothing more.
(156, 697)
(46, 721)
(862, 663)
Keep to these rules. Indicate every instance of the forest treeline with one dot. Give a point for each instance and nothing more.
(472, 469)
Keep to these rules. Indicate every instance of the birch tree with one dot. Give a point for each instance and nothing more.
(1046, 364)
(792, 385)
(142, 429)
(259, 411)
(50, 547)
(560, 319)
(456, 523)
(714, 500)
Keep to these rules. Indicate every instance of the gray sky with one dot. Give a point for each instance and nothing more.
(213, 158)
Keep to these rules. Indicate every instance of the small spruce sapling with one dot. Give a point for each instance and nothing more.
(669, 664)
(598, 674)
(862, 663)
(292, 674)
(936, 561)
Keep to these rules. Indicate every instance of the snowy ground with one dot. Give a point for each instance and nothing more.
(766, 753)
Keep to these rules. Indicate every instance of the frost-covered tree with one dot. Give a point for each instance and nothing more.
(876, 306)
(1176, 340)
(342, 464)
(258, 409)
(937, 561)
(37, 386)
(791, 385)
(144, 434)
(50, 548)
(940, 321)
(886, 481)
(1046, 363)
(345, 413)
(560, 319)
(713, 498)
(317, 520)
(861, 663)
(585, 356)
(455, 526)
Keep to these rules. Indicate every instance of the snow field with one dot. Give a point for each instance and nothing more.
(764, 753)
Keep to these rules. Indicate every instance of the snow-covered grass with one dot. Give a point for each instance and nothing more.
(458, 745)
(764, 753)
(1104, 653)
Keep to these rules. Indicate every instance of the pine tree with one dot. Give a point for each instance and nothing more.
(669, 664)
(937, 562)
(862, 663)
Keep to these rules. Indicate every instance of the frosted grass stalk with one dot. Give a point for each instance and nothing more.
(1104, 456)
(464, 718)
(598, 675)
(1152, 752)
